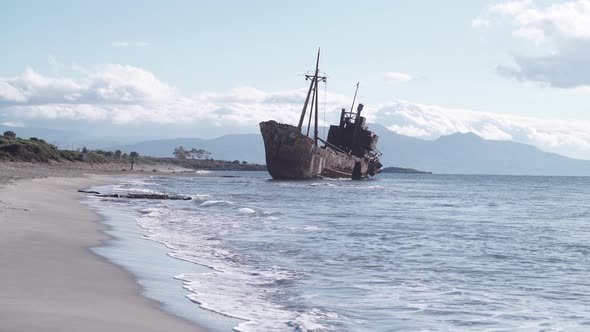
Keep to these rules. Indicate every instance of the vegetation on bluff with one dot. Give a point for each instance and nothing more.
(13, 148)
(35, 150)
(32, 150)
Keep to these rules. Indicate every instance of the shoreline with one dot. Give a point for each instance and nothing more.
(52, 279)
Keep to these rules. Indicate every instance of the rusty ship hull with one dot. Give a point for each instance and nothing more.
(292, 155)
(349, 151)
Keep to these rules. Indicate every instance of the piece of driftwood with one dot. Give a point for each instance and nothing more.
(138, 196)
(89, 192)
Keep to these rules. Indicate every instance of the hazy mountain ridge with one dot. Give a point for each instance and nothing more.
(459, 153)
(243, 147)
(470, 154)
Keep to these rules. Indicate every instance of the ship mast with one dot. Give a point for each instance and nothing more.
(354, 99)
(313, 87)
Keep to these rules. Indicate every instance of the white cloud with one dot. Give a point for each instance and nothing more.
(510, 7)
(568, 68)
(123, 96)
(478, 23)
(12, 124)
(397, 77)
(10, 93)
(567, 20)
(104, 84)
(119, 44)
(123, 44)
(567, 137)
(564, 26)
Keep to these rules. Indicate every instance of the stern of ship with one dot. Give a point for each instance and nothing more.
(289, 153)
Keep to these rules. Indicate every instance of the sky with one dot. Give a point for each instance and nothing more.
(505, 70)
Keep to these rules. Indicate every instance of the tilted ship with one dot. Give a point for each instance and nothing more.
(350, 150)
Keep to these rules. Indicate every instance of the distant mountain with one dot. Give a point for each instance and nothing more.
(243, 147)
(470, 154)
(457, 153)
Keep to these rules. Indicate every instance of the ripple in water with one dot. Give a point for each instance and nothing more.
(399, 253)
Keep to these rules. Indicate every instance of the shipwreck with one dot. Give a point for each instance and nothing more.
(349, 151)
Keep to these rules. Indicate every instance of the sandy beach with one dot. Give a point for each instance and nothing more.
(51, 280)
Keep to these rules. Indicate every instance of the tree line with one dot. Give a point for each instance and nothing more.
(182, 153)
(40, 149)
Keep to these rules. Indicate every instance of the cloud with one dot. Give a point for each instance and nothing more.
(510, 7)
(397, 77)
(568, 68)
(12, 124)
(9, 92)
(564, 26)
(478, 23)
(123, 98)
(567, 20)
(567, 137)
(123, 44)
(123, 94)
(106, 84)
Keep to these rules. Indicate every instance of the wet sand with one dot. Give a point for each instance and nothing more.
(50, 280)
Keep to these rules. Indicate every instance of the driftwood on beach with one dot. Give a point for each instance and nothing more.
(138, 196)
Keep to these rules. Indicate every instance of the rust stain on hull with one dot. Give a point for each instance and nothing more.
(349, 151)
(292, 155)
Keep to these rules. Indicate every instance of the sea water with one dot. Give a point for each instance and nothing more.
(407, 252)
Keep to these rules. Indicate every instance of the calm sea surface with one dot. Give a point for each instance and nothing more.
(397, 253)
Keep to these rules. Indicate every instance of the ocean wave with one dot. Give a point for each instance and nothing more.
(140, 182)
(134, 190)
(215, 202)
(311, 228)
(198, 197)
(345, 186)
(246, 210)
(233, 287)
(344, 256)
(238, 299)
(323, 184)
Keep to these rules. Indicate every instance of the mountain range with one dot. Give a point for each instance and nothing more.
(243, 147)
(467, 153)
(459, 153)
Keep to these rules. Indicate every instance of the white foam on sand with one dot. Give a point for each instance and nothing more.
(133, 185)
(233, 286)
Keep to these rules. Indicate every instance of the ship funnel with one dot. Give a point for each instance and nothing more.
(359, 109)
